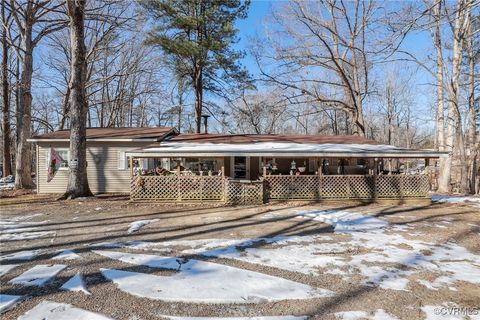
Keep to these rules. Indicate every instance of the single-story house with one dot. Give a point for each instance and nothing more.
(161, 164)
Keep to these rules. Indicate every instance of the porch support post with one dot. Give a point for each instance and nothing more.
(319, 173)
(131, 166)
(375, 185)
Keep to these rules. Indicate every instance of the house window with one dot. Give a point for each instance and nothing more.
(121, 160)
(64, 154)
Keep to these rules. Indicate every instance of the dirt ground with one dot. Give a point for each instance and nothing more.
(82, 225)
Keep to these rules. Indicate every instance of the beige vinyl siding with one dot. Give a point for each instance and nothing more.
(103, 173)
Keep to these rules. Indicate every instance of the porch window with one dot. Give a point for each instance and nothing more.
(201, 164)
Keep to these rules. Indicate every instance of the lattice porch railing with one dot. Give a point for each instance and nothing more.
(178, 188)
(243, 192)
(346, 187)
(219, 188)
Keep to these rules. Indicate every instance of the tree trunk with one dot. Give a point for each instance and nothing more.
(472, 138)
(77, 179)
(7, 165)
(440, 130)
(65, 109)
(453, 117)
(23, 157)
(198, 87)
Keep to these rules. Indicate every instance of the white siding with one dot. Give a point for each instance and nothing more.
(103, 170)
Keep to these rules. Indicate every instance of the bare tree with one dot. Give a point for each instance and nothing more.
(34, 20)
(473, 141)
(327, 58)
(260, 113)
(6, 22)
(77, 178)
(454, 138)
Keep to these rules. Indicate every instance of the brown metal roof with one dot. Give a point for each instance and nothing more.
(157, 133)
(252, 138)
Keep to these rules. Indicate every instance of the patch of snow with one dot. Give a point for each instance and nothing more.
(21, 255)
(38, 275)
(7, 301)
(203, 282)
(345, 221)
(4, 268)
(25, 235)
(379, 314)
(67, 255)
(18, 228)
(351, 315)
(47, 310)
(427, 284)
(469, 200)
(98, 208)
(237, 318)
(446, 310)
(75, 283)
(137, 225)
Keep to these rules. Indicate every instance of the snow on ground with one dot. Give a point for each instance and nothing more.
(38, 275)
(67, 255)
(375, 249)
(379, 314)
(203, 282)
(4, 268)
(19, 228)
(471, 200)
(238, 318)
(47, 310)
(344, 221)
(450, 311)
(22, 255)
(75, 283)
(7, 301)
(137, 225)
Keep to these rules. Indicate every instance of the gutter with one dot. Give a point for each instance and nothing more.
(94, 140)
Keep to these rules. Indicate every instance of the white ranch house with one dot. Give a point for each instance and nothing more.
(159, 164)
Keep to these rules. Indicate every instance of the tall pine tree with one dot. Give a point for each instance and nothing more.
(198, 35)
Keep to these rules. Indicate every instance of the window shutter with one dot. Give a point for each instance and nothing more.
(47, 158)
(122, 160)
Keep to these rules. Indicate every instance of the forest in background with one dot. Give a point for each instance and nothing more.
(317, 67)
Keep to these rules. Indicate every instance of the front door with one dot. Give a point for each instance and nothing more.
(240, 168)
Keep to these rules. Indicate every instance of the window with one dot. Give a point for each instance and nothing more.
(64, 154)
(121, 160)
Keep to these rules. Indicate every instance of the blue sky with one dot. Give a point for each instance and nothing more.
(417, 43)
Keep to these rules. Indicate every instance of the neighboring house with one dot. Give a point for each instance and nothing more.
(106, 161)
(160, 164)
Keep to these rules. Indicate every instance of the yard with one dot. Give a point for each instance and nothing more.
(124, 260)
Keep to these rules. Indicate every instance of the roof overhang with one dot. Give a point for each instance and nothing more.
(194, 154)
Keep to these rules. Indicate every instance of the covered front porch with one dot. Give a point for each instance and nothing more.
(254, 179)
